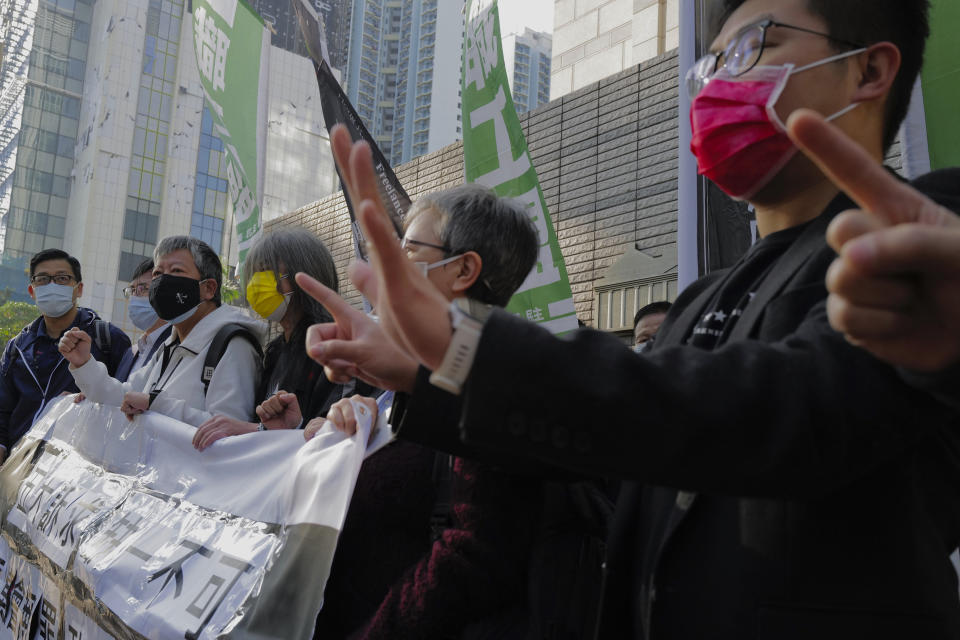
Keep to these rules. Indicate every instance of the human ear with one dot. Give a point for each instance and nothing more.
(78, 291)
(208, 289)
(469, 272)
(879, 66)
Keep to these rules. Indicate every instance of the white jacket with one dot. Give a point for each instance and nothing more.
(232, 390)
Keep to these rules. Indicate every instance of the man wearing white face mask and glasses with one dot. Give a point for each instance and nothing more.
(780, 481)
(32, 372)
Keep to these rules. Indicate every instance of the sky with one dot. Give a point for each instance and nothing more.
(517, 14)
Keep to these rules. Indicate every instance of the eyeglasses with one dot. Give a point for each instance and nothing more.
(742, 54)
(140, 290)
(406, 242)
(43, 280)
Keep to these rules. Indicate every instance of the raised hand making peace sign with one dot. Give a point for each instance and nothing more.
(895, 287)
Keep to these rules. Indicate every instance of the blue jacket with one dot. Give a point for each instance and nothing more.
(126, 365)
(32, 372)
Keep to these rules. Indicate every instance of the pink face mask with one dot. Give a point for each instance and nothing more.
(738, 138)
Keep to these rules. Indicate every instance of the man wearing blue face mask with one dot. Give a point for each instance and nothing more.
(143, 316)
(32, 371)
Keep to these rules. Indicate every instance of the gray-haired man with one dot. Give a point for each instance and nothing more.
(185, 291)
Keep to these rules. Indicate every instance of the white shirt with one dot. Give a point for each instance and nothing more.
(144, 344)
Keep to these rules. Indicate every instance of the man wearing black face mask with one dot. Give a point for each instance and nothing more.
(185, 291)
(781, 482)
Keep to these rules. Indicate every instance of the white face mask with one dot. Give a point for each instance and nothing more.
(425, 267)
(54, 300)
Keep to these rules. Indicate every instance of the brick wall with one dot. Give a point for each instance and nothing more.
(607, 160)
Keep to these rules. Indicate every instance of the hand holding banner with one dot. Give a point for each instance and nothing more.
(126, 531)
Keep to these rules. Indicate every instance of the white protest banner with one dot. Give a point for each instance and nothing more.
(118, 529)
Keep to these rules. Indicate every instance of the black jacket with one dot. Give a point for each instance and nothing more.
(785, 485)
(32, 371)
(287, 366)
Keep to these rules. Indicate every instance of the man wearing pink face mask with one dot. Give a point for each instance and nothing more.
(780, 481)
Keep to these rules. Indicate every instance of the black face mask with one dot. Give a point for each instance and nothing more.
(174, 298)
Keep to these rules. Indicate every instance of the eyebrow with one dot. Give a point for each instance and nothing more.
(744, 29)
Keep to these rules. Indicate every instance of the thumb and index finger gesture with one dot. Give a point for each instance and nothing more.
(894, 287)
(884, 200)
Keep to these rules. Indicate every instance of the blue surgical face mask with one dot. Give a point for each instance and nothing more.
(141, 313)
(54, 300)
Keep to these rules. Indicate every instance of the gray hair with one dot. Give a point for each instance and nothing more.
(205, 258)
(290, 251)
(472, 217)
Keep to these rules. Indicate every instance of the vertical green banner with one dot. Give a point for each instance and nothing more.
(231, 45)
(941, 85)
(496, 156)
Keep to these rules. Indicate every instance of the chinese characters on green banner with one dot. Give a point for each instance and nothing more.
(495, 155)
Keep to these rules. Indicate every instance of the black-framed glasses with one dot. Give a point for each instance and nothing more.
(43, 279)
(743, 53)
(406, 242)
(140, 290)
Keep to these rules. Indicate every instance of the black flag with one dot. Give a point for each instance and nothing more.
(338, 110)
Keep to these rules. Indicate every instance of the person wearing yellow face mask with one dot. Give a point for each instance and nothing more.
(288, 372)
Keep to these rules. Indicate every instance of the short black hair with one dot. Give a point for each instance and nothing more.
(654, 307)
(905, 23)
(56, 254)
(142, 268)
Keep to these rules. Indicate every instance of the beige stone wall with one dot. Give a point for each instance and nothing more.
(594, 39)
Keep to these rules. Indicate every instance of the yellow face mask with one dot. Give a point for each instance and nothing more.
(265, 298)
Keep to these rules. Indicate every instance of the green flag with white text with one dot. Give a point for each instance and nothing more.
(496, 156)
(930, 135)
(941, 85)
(232, 45)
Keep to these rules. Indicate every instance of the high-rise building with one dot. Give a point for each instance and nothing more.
(44, 59)
(527, 57)
(282, 21)
(113, 148)
(407, 95)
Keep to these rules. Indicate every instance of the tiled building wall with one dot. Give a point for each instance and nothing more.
(607, 160)
(593, 39)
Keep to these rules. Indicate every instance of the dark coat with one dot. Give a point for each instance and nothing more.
(126, 364)
(287, 367)
(785, 485)
(32, 372)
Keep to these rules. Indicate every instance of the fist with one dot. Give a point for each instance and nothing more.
(280, 411)
(75, 347)
(135, 403)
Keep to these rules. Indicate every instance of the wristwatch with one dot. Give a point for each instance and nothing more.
(467, 317)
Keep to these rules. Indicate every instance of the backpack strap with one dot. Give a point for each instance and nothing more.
(219, 345)
(101, 335)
